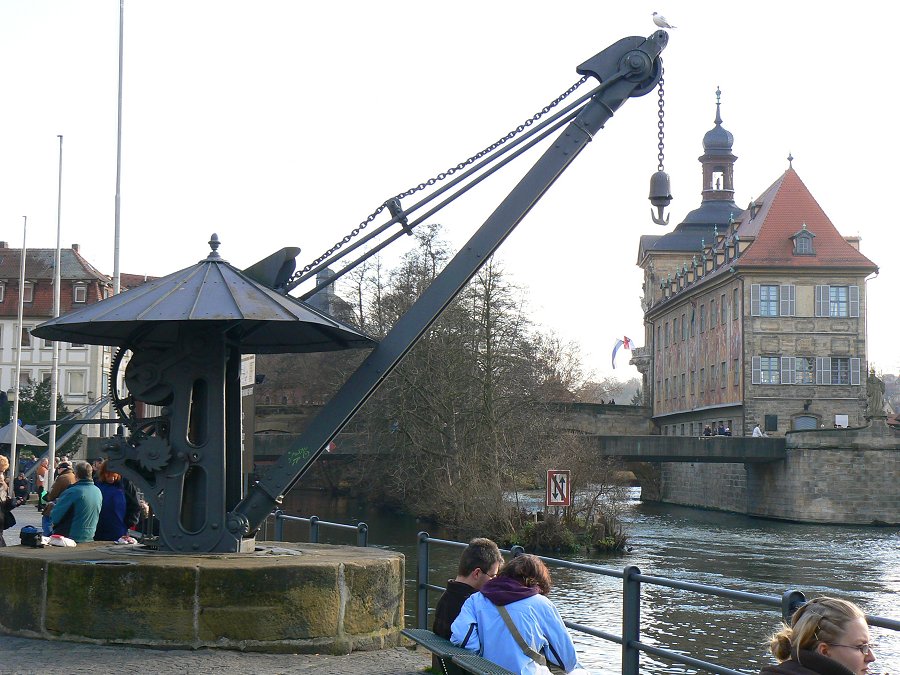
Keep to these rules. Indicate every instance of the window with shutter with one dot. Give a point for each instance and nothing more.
(854, 371)
(754, 300)
(787, 370)
(854, 300)
(756, 374)
(788, 300)
(823, 294)
(823, 370)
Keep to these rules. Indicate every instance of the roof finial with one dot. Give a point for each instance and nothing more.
(715, 231)
(718, 104)
(702, 244)
(214, 245)
(790, 161)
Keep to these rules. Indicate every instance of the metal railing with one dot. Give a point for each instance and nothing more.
(632, 579)
(315, 524)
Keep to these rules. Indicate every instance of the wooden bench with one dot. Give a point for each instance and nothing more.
(446, 651)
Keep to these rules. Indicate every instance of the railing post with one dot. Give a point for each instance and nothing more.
(279, 525)
(362, 534)
(631, 621)
(314, 529)
(422, 580)
(790, 603)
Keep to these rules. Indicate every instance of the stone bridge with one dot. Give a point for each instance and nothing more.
(717, 449)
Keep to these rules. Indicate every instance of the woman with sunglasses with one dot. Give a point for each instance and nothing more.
(827, 636)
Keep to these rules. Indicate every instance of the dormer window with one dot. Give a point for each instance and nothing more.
(79, 293)
(2, 291)
(803, 242)
(28, 292)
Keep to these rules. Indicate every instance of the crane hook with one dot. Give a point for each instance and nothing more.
(660, 196)
(658, 216)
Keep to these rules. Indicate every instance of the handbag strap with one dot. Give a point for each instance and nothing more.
(537, 657)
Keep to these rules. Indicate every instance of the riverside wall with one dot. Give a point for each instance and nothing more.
(841, 476)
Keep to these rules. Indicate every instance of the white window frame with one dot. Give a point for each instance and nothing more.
(772, 370)
(79, 289)
(826, 307)
(70, 390)
(28, 292)
(2, 290)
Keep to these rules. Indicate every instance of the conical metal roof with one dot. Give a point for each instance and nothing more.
(258, 319)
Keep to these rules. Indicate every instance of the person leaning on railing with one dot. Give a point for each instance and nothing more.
(827, 636)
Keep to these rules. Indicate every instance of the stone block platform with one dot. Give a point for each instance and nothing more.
(284, 598)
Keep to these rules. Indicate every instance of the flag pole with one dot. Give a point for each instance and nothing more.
(116, 275)
(57, 289)
(13, 454)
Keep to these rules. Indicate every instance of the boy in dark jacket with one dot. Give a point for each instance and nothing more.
(479, 563)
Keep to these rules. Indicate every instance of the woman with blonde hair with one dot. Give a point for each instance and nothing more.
(827, 636)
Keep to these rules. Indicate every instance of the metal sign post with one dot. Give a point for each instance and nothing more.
(559, 487)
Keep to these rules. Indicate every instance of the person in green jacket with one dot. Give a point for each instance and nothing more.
(77, 510)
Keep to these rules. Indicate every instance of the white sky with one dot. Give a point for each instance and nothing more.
(286, 123)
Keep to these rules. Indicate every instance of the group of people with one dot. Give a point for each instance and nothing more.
(85, 502)
(720, 430)
(90, 502)
(501, 611)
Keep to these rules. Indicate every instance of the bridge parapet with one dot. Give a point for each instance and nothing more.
(714, 449)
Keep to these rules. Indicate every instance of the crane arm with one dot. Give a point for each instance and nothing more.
(631, 67)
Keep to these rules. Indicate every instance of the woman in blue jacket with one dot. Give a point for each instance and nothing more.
(519, 591)
(119, 510)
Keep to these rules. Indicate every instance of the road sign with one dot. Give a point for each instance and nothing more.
(559, 491)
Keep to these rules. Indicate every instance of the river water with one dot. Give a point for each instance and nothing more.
(708, 547)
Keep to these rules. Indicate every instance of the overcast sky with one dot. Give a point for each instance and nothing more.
(286, 123)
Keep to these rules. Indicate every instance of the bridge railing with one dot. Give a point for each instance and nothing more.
(315, 525)
(632, 581)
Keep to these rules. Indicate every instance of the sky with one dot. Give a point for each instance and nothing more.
(285, 123)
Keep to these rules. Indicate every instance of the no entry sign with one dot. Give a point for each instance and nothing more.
(559, 490)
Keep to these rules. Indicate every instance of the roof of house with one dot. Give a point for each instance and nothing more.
(784, 208)
(39, 263)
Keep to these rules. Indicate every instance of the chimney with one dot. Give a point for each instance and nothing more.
(76, 248)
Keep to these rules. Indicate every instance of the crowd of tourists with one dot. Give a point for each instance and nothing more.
(84, 502)
(501, 612)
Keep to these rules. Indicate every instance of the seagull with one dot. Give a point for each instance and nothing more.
(660, 21)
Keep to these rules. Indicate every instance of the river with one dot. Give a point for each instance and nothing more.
(720, 549)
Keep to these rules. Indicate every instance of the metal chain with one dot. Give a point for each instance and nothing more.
(662, 122)
(444, 174)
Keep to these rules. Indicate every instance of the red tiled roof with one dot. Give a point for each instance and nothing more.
(787, 205)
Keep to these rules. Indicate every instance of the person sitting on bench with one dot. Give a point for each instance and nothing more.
(511, 622)
(480, 562)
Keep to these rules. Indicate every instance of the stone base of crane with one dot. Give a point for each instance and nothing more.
(294, 598)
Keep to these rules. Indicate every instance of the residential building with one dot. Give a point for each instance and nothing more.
(753, 316)
(83, 369)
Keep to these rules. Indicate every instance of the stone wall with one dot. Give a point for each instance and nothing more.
(830, 476)
(722, 487)
(605, 419)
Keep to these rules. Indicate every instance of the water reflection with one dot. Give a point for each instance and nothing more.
(720, 549)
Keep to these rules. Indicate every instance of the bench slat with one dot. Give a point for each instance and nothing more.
(479, 666)
(434, 643)
(444, 649)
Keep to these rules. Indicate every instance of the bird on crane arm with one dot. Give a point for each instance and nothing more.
(660, 21)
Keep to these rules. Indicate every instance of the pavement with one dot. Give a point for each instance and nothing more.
(24, 656)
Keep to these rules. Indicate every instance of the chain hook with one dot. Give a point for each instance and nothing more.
(660, 191)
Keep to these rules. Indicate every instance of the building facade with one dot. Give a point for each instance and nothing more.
(83, 369)
(753, 316)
